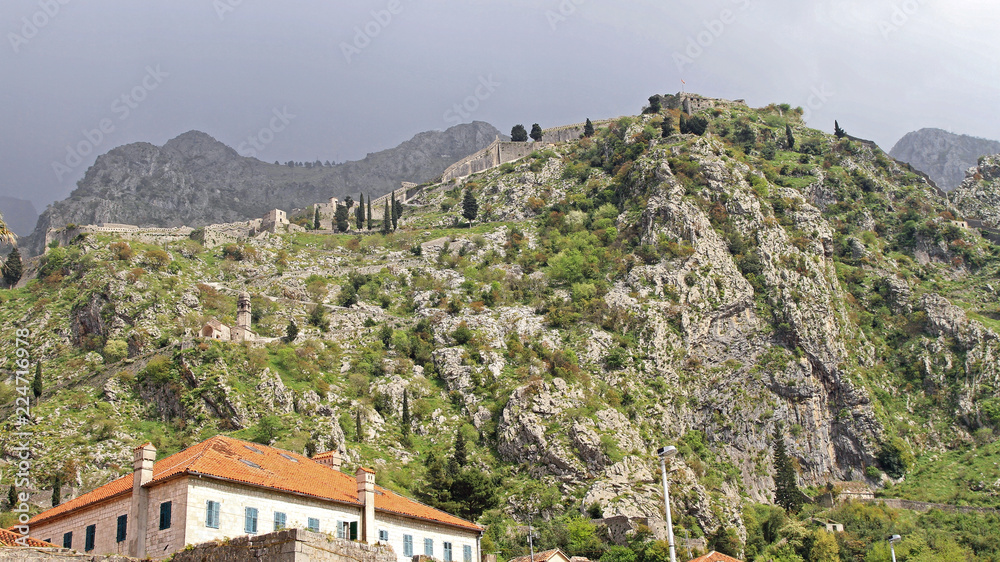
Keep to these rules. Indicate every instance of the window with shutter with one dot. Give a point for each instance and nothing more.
(408, 546)
(250, 526)
(165, 508)
(89, 539)
(279, 520)
(122, 528)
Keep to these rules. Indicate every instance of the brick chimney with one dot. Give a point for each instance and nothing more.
(142, 473)
(366, 495)
(333, 459)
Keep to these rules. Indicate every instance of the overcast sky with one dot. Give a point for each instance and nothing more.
(348, 78)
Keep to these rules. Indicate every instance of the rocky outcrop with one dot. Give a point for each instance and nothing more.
(978, 196)
(942, 155)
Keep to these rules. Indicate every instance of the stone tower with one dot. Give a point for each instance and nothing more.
(243, 311)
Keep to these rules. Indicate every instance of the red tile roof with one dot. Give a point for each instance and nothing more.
(715, 557)
(9, 538)
(258, 465)
(540, 556)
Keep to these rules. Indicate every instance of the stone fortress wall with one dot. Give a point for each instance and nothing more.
(500, 152)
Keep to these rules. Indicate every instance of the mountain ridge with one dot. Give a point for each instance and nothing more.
(194, 180)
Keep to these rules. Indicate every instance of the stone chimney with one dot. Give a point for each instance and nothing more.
(142, 473)
(333, 459)
(366, 495)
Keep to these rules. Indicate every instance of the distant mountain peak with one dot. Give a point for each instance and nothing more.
(942, 155)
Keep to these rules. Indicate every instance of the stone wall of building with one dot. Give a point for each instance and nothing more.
(292, 545)
(104, 515)
(150, 235)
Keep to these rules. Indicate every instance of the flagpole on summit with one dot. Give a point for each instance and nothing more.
(683, 83)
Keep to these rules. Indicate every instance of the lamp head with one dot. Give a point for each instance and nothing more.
(894, 538)
(666, 452)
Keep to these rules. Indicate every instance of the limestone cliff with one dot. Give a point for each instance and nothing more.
(942, 155)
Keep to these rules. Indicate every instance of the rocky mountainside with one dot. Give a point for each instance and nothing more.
(978, 197)
(195, 180)
(19, 214)
(614, 294)
(942, 155)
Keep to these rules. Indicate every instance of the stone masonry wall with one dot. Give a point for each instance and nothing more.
(292, 545)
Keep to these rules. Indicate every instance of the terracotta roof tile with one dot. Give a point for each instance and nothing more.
(539, 556)
(221, 457)
(9, 538)
(715, 557)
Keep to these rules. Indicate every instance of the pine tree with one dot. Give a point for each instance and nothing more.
(786, 490)
(11, 497)
(518, 133)
(13, 268)
(470, 207)
(395, 217)
(369, 212)
(386, 219)
(789, 137)
(316, 218)
(654, 104)
(340, 218)
(840, 133)
(405, 421)
(588, 128)
(56, 490)
(36, 385)
(536, 132)
(667, 128)
(357, 426)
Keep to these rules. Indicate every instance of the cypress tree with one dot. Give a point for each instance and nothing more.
(460, 454)
(36, 385)
(518, 134)
(386, 219)
(789, 137)
(310, 448)
(405, 422)
(13, 268)
(56, 490)
(340, 218)
(786, 490)
(840, 133)
(395, 217)
(11, 497)
(588, 128)
(369, 212)
(359, 213)
(316, 217)
(470, 207)
(357, 426)
(291, 332)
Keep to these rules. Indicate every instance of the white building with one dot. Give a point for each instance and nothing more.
(224, 487)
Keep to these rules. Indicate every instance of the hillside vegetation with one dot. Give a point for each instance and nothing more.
(636, 288)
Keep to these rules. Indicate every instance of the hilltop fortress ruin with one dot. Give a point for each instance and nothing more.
(499, 152)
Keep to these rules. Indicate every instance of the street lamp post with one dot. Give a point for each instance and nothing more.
(663, 453)
(893, 539)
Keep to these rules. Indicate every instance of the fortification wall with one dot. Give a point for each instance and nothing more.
(148, 235)
(292, 545)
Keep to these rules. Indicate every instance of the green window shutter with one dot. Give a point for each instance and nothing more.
(354, 530)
